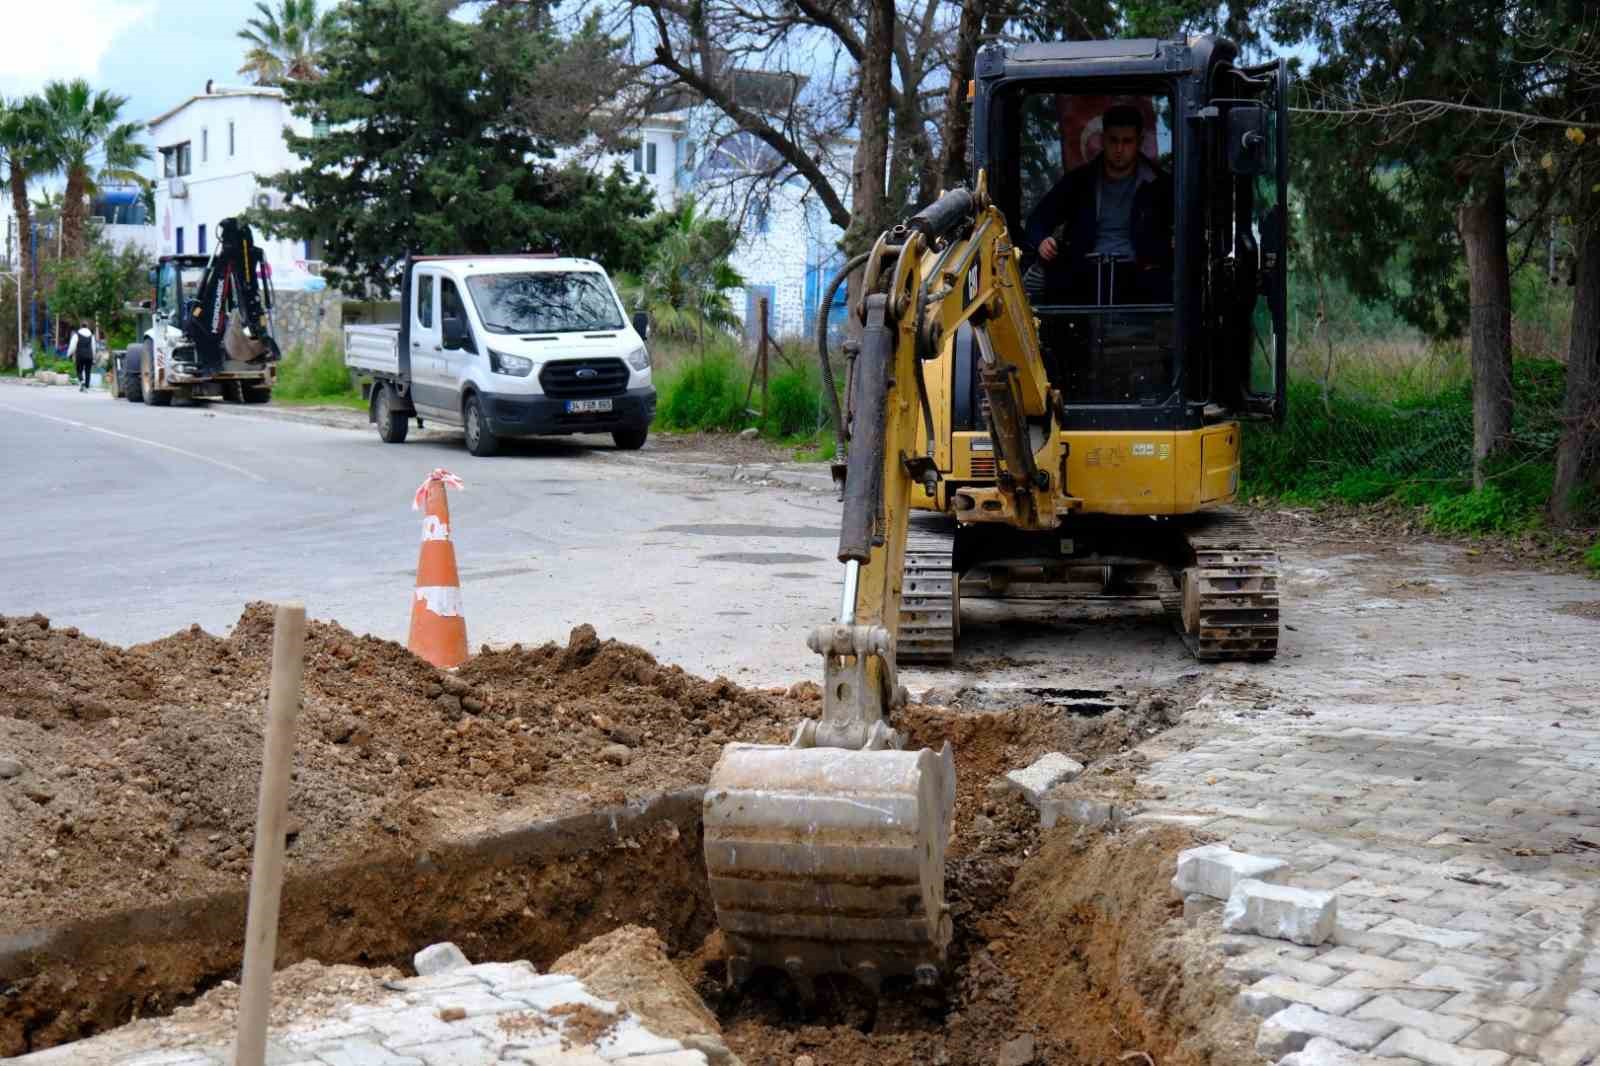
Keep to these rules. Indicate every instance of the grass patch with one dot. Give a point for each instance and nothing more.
(703, 393)
(316, 378)
(1591, 559)
(1407, 436)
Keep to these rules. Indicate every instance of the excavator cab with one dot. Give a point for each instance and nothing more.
(1164, 305)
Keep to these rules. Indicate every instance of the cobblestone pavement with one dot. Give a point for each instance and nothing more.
(1427, 746)
(479, 1015)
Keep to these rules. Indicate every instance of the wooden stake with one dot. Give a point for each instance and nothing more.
(266, 872)
(761, 314)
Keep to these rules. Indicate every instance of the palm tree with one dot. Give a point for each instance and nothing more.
(80, 125)
(22, 151)
(684, 287)
(285, 45)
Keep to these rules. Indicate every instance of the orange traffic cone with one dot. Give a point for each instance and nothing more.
(438, 629)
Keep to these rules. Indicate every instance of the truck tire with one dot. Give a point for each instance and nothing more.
(392, 425)
(630, 440)
(154, 397)
(133, 388)
(233, 392)
(481, 440)
(257, 393)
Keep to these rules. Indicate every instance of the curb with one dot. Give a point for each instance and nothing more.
(751, 473)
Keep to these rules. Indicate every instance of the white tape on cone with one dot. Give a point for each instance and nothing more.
(442, 600)
(434, 529)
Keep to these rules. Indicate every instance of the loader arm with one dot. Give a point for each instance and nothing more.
(236, 290)
(828, 855)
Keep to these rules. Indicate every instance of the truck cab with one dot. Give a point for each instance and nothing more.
(507, 346)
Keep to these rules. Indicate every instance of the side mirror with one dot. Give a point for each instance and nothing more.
(1247, 139)
(641, 324)
(152, 275)
(455, 332)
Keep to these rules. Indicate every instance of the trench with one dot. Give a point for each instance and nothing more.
(1066, 941)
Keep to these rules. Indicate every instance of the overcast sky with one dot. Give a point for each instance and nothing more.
(155, 52)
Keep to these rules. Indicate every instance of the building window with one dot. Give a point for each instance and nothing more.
(650, 158)
(205, 144)
(175, 160)
(200, 239)
(760, 212)
(179, 232)
(638, 159)
(230, 138)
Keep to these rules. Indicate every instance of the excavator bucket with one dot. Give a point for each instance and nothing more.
(829, 860)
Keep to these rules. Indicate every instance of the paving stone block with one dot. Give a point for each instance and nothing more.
(1574, 1041)
(1216, 869)
(1263, 962)
(1446, 1027)
(1481, 964)
(551, 996)
(1492, 1009)
(629, 1038)
(420, 1025)
(461, 1051)
(555, 1056)
(438, 958)
(453, 979)
(1412, 1044)
(1293, 1027)
(1364, 940)
(322, 1032)
(358, 1052)
(670, 1058)
(1444, 938)
(1327, 1000)
(503, 975)
(1394, 971)
(1260, 1002)
(1296, 914)
(1045, 773)
(473, 1001)
(1240, 943)
(1081, 810)
(1321, 1052)
(1498, 1036)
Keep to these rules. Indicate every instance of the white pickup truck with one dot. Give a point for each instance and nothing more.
(506, 346)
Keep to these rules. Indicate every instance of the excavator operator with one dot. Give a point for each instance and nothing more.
(1102, 235)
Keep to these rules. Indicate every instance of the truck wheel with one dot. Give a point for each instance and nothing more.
(392, 425)
(133, 388)
(630, 440)
(154, 397)
(257, 393)
(480, 438)
(233, 392)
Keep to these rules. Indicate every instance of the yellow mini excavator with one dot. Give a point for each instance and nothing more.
(1053, 369)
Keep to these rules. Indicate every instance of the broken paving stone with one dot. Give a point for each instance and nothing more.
(1018, 1052)
(618, 754)
(1045, 773)
(1216, 869)
(439, 958)
(1281, 912)
(10, 768)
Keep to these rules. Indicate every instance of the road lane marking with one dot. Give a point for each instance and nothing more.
(136, 440)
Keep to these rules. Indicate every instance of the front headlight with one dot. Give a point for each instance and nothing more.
(516, 365)
(639, 358)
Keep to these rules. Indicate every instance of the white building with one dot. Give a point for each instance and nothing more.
(214, 149)
(212, 152)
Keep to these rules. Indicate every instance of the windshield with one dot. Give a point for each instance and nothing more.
(546, 302)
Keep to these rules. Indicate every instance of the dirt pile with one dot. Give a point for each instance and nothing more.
(129, 775)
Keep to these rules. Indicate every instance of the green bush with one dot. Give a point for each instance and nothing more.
(320, 375)
(1490, 509)
(794, 404)
(1591, 559)
(703, 393)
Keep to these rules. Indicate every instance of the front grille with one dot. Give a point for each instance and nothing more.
(983, 466)
(579, 379)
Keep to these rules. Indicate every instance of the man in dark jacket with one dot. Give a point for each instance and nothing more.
(82, 345)
(1103, 233)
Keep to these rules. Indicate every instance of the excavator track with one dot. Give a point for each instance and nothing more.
(1225, 603)
(930, 597)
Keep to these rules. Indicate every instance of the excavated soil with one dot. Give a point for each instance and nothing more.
(128, 778)
(133, 772)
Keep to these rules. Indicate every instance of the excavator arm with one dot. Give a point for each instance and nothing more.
(230, 316)
(828, 855)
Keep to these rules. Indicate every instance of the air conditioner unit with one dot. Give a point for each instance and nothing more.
(314, 267)
(266, 201)
(177, 188)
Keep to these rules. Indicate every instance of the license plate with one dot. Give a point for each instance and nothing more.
(578, 407)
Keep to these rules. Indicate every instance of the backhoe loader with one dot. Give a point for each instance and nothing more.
(1023, 410)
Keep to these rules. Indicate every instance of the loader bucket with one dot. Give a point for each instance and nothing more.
(831, 860)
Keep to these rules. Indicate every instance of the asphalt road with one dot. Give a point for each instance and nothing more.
(131, 522)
